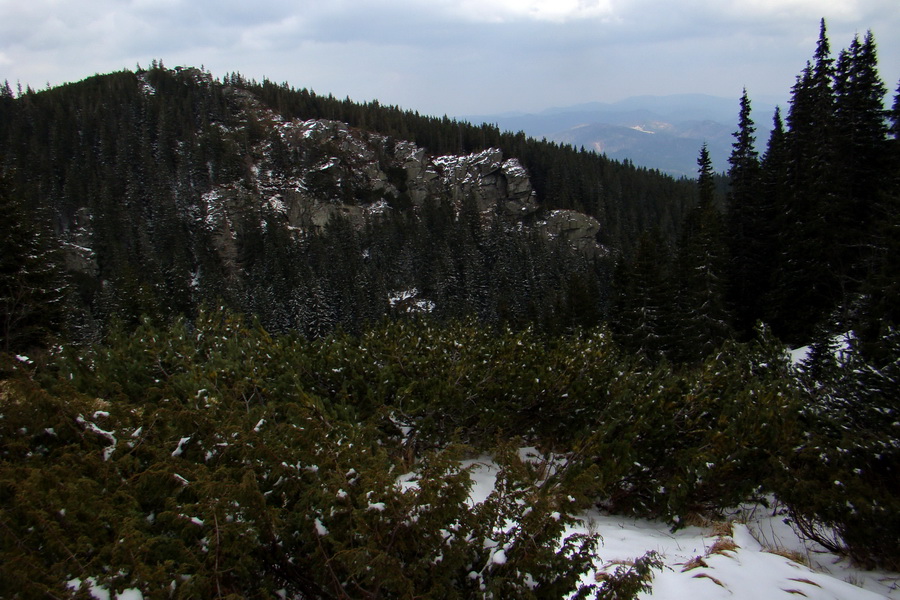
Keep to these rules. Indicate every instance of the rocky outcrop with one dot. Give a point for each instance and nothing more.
(309, 172)
(489, 180)
(342, 170)
(77, 245)
(578, 229)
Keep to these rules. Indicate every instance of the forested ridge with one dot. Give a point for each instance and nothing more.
(235, 312)
(143, 148)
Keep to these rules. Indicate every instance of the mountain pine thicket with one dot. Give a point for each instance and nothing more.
(205, 400)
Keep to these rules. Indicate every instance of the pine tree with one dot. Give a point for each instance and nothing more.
(806, 279)
(32, 286)
(894, 115)
(861, 156)
(643, 309)
(748, 219)
(774, 198)
(702, 317)
(879, 314)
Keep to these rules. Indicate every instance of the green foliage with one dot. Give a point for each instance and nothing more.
(200, 460)
(32, 285)
(672, 444)
(235, 462)
(841, 483)
(630, 580)
(231, 461)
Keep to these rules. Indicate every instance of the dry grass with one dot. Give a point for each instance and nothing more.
(723, 529)
(804, 580)
(797, 592)
(721, 546)
(790, 555)
(619, 562)
(711, 578)
(603, 575)
(695, 519)
(694, 563)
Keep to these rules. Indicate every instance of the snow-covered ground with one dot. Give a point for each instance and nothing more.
(747, 564)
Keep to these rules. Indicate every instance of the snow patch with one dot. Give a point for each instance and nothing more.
(99, 592)
(408, 301)
(321, 530)
(179, 450)
(642, 130)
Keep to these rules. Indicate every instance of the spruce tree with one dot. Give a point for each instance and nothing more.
(32, 286)
(894, 116)
(702, 318)
(748, 218)
(806, 278)
(643, 309)
(879, 314)
(774, 226)
(861, 155)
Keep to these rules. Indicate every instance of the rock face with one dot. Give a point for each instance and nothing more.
(312, 171)
(309, 172)
(490, 180)
(574, 227)
(342, 171)
(77, 253)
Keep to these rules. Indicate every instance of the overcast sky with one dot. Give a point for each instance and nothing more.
(454, 57)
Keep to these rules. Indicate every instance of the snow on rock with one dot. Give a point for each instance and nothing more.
(407, 301)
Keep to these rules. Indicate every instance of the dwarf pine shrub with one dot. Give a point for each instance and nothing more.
(841, 482)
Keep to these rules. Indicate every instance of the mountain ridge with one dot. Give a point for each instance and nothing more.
(180, 190)
(685, 122)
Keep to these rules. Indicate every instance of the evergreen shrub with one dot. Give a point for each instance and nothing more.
(841, 482)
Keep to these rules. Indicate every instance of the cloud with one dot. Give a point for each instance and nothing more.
(452, 56)
(555, 11)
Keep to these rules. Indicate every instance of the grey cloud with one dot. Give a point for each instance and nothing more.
(430, 57)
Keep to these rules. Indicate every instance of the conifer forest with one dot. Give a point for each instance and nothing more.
(251, 338)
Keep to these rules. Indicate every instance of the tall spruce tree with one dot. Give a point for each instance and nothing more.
(32, 287)
(702, 317)
(861, 156)
(774, 198)
(748, 219)
(879, 314)
(894, 116)
(643, 309)
(808, 286)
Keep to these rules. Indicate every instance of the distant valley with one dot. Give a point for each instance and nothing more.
(656, 132)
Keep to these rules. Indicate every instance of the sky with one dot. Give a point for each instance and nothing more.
(453, 57)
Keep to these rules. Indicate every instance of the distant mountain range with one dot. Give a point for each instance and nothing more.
(657, 132)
